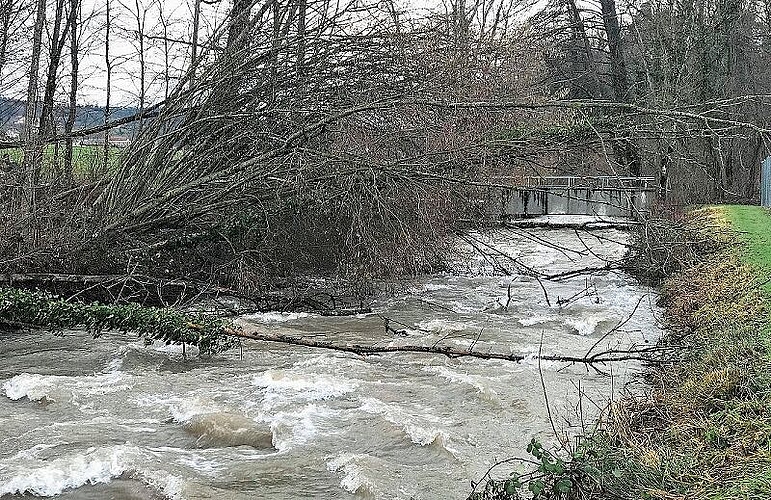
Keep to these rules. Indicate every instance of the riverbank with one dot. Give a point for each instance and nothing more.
(703, 429)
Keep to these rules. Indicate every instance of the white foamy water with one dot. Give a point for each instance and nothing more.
(353, 474)
(71, 471)
(281, 385)
(276, 317)
(37, 387)
(287, 422)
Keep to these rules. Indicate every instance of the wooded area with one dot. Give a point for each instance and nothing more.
(297, 154)
(275, 138)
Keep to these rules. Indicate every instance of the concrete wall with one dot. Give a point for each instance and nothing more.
(519, 202)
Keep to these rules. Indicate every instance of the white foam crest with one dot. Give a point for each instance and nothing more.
(276, 317)
(425, 436)
(95, 385)
(533, 320)
(184, 409)
(337, 362)
(463, 308)
(353, 476)
(35, 387)
(586, 325)
(199, 463)
(281, 385)
(97, 465)
(114, 365)
(175, 350)
(414, 426)
(155, 348)
(293, 428)
(181, 409)
(444, 326)
(170, 486)
(464, 378)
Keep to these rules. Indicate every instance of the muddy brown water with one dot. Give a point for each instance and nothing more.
(114, 418)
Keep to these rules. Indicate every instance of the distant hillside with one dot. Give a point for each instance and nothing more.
(12, 116)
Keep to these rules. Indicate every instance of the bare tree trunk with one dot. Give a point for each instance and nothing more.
(74, 66)
(275, 45)
(617, 65)
(460, 45)
(194, 48)
(625, 149)
(32, 152)
(301, 18)
(578, 29)
(6, 6)
(239, 25)
(166, 52)
(141, 16)
(108, 85)
(59, 39)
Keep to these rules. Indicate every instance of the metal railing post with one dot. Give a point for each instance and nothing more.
(765, 183)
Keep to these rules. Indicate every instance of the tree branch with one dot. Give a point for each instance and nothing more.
(255, 333)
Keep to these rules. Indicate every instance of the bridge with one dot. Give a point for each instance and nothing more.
(601, 195)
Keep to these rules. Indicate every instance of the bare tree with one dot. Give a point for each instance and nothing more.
(302, 15)
(59, 37)
(195, 35)
(32, 148)
(618, 75)
(239, 19)
(108, 64)
(69, 124)
(139, 13)
(6, 10)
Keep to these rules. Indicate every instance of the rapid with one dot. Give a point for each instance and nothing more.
(116, 418)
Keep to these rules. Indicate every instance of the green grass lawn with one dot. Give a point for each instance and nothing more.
(752, 225)
(723, 383)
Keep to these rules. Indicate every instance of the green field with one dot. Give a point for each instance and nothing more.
(87, 160)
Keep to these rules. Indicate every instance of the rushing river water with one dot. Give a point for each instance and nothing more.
(110, 418)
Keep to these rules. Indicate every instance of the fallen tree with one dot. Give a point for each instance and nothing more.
(24, 309)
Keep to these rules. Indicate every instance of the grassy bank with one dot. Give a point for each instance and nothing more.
(702, 428)
(703, 431)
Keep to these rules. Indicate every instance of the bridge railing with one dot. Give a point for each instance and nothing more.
(579, 182)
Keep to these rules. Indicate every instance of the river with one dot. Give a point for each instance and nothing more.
(115, 418)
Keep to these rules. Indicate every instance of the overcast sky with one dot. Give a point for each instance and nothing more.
(124, 46)
(176, 15)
